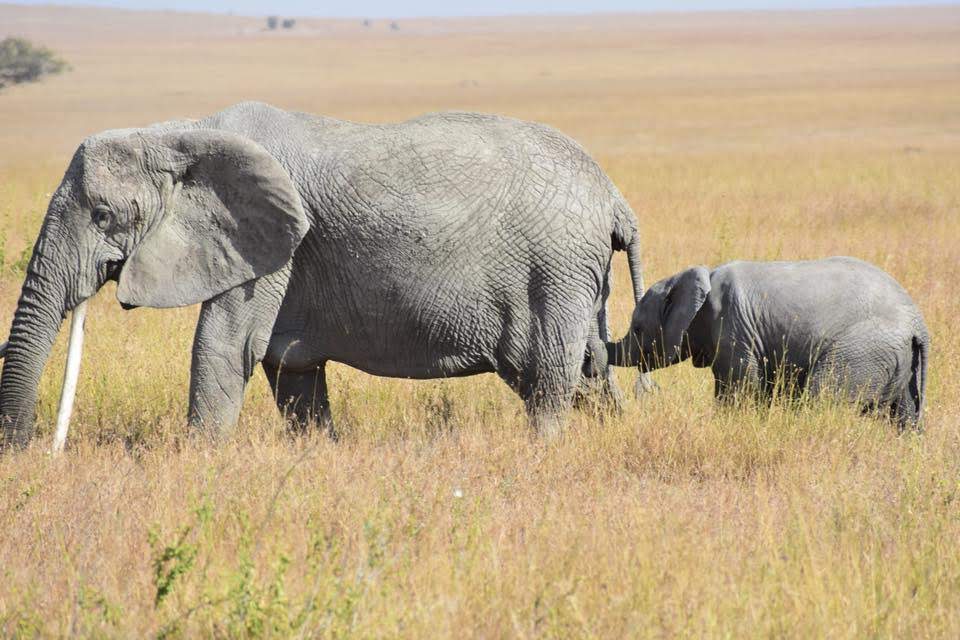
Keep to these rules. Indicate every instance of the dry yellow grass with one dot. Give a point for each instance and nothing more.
(733, 136)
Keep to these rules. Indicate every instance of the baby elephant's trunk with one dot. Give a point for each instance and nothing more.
(625, 352)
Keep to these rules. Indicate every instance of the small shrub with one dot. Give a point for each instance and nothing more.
(23, 61)
(272, 22)
(98, 611)
(171, 561)
(289, 23)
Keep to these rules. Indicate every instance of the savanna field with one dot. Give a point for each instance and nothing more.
(753, 136)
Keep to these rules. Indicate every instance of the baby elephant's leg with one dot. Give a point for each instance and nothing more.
(878, 380)
(734, 372)
(904, 411)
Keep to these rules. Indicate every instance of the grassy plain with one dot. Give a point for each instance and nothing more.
(763, 135)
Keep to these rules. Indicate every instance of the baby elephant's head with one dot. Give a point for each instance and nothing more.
(660, 320)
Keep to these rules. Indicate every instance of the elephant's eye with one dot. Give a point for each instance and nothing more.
(102, 217)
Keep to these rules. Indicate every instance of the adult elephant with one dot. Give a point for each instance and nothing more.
(448, 245)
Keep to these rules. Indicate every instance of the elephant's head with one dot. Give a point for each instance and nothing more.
(661, 319)
(175, 217)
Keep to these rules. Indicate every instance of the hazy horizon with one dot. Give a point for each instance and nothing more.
(422, 8)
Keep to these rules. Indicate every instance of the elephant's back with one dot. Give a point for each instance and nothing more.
(840, 283)
(438, 175)
(815, 308)
(448, 183)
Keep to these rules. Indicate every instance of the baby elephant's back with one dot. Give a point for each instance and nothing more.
(818, 298)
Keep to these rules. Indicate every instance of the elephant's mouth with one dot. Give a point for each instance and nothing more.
(113, 269)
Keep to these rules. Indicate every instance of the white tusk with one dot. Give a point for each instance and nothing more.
(70, 375)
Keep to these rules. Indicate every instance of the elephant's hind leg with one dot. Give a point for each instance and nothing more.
(550, 377)
(302, 396)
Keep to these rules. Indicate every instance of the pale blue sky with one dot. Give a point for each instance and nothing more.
(408, 8)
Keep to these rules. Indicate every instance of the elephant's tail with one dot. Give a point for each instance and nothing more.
(626, 238)
(636, 267)
(918, 374)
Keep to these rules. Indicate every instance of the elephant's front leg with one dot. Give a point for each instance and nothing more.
(232, 337)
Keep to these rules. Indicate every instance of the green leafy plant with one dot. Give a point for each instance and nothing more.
(98, 610)
(174, 560)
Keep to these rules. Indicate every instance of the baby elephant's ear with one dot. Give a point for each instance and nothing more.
(687, 294)
(230, 214)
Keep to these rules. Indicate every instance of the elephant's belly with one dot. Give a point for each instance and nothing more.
(393, 309)
(444, 368)
(399, 350)
(299, 354)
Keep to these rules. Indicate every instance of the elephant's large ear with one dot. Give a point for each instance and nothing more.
(684, 299)
(231, 214)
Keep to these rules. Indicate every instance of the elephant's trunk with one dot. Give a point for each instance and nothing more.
(629, 352)
(625, 352)
(40, 311)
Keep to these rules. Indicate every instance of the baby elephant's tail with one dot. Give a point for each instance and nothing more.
(918, 375)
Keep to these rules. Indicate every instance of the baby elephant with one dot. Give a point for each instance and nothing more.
(837, 324)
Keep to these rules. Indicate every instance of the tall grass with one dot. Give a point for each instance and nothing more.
(437, 514)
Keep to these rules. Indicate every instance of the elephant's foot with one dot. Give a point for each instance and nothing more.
(548, 411)
(599, 396)
(644, 386)
(548, 425)
(208, 426)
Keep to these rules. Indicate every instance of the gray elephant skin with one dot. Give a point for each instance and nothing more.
(838, 324)
(448, 245)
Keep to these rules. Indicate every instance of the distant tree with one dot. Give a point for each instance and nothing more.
(289, 23)
(394, 26)
(23, 61)
(272, 22)
(368, 22)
